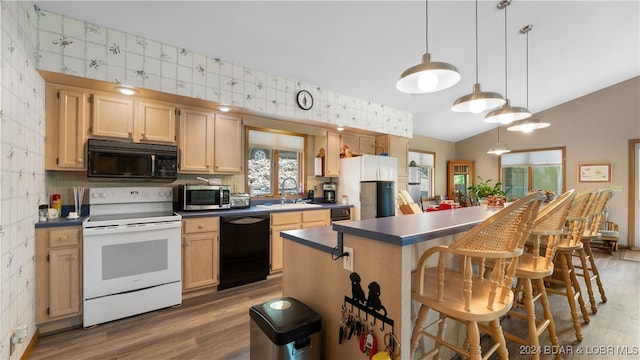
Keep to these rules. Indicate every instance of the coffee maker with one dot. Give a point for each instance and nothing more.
(329, 192)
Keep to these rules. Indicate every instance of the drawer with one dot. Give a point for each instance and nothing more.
(200, 225)
(64, 237)
(315, 215)
(293, 217)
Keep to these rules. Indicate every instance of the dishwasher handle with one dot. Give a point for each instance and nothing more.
(246, 221)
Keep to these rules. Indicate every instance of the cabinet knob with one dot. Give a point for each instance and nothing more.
(201, 226)
(130, 132)
(80, 161)
(143, 135)
(63, 238)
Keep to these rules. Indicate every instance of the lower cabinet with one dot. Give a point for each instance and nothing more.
(59, 275)
(282, 221)
(200, 252)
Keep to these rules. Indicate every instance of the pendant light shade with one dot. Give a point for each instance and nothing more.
(478, 101)
(507, 113)
(499, 149)
(528, 125)
(428, 76)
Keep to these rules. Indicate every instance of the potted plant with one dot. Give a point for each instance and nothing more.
(484, 188)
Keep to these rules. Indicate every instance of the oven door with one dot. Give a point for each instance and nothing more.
(119, 259)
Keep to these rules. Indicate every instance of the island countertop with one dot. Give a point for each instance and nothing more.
(410, 229)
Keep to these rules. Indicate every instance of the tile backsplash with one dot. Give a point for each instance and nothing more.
(80, 48)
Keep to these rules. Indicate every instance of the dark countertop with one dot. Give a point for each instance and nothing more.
(400, 230)
(410, 229)
(253, 210)
(321, 238)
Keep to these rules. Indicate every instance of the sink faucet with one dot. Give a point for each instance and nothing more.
(283, 195)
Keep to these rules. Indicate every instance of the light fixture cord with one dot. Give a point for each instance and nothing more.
(527, 33)
(426, 25)
(506, 93)
(476, 41)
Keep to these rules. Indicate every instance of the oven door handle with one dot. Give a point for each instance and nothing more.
(109, 230)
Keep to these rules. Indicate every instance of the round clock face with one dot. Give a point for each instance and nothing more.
(305, 100)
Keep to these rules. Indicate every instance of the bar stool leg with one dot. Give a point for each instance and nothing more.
(441, 328)
(473, 334)
(498, 336)
(551, 328)
(421, 322)
(576, 288)
(527, 300)
(564, 268)
(581, 253)
(594, 270)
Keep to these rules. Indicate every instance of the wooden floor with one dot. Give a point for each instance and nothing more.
(217, 326)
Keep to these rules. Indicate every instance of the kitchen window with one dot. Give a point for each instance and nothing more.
(529, 170)
(273, 156)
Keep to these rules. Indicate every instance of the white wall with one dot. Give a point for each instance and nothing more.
(22, 186)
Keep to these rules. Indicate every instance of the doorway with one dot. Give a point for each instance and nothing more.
(634, 193)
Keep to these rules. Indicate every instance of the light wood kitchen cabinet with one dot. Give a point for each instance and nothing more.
(58, 274)
(367, 145)
(200, 252)
(332, 155)
(209, 143)
(283, 221)
(195, 141)
(112, 117)
(397, 147)
(156, 122)
(66, 128)
(227, 144)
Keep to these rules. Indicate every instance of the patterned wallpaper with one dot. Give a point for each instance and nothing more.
(22, 176)
(80, 48)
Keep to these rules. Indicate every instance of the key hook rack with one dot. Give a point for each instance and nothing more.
(368, 311)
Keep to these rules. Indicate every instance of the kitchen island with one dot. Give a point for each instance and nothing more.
(386, 252)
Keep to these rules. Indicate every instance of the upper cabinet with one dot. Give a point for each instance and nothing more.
(66, 124)
(157, 122)
(111, 117)
(209, 143)
(397, 147)
(127, 119)
(332, 155)
(359, 144)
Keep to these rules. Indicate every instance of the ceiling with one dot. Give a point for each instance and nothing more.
(360, 48)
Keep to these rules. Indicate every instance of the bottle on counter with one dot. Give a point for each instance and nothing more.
(56, 202)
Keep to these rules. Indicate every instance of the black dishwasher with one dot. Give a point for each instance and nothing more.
(244, 250)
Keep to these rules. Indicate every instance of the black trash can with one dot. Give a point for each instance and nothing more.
(284, 329)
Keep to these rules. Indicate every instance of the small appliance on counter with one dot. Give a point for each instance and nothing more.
(239, 201)
(196, 197)
(329, 192)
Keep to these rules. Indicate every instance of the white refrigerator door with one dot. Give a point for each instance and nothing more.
(387, 168)
(369, 168)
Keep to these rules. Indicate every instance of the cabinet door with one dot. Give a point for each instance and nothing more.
(399, 149)
(157, 122)
(196, 141)
(112, 117)
(200, 260)
(276, 245)
(316, 218)
(332, 155)
(227, 144)
(66, 128)
(368, 145)
(64, 282)
(351, 141)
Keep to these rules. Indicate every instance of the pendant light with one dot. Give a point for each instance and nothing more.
(478, 101)
(530, 124)
(507, 113)
(498, 150)
(428, 76)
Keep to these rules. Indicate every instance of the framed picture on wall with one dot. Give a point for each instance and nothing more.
(594, 173)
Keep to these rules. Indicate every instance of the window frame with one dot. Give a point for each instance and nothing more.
(274, 183)
(563, 164)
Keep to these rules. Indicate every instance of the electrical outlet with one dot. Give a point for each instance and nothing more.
(616, 188)
(347, 260)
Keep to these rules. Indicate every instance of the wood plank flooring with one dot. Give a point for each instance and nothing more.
(217, 326)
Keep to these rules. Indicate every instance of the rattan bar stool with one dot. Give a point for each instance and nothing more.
(460, 294)
(564, 280)
(533, 267)
(588, 268)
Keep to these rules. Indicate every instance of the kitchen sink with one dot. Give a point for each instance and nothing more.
(288, 206)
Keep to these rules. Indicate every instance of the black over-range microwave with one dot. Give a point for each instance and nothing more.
(134, 161)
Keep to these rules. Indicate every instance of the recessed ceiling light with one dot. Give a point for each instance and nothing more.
(340, 128)
(223, 108)
(126, 90)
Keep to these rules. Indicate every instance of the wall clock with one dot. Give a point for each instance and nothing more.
(305, 100)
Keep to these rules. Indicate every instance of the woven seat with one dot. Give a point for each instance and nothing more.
(533, 268)
(587, 264)
(459, 293)
(564, 280)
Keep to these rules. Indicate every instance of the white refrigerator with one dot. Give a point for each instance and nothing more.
(356, 169)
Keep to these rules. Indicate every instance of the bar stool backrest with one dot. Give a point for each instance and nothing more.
(550, 223)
